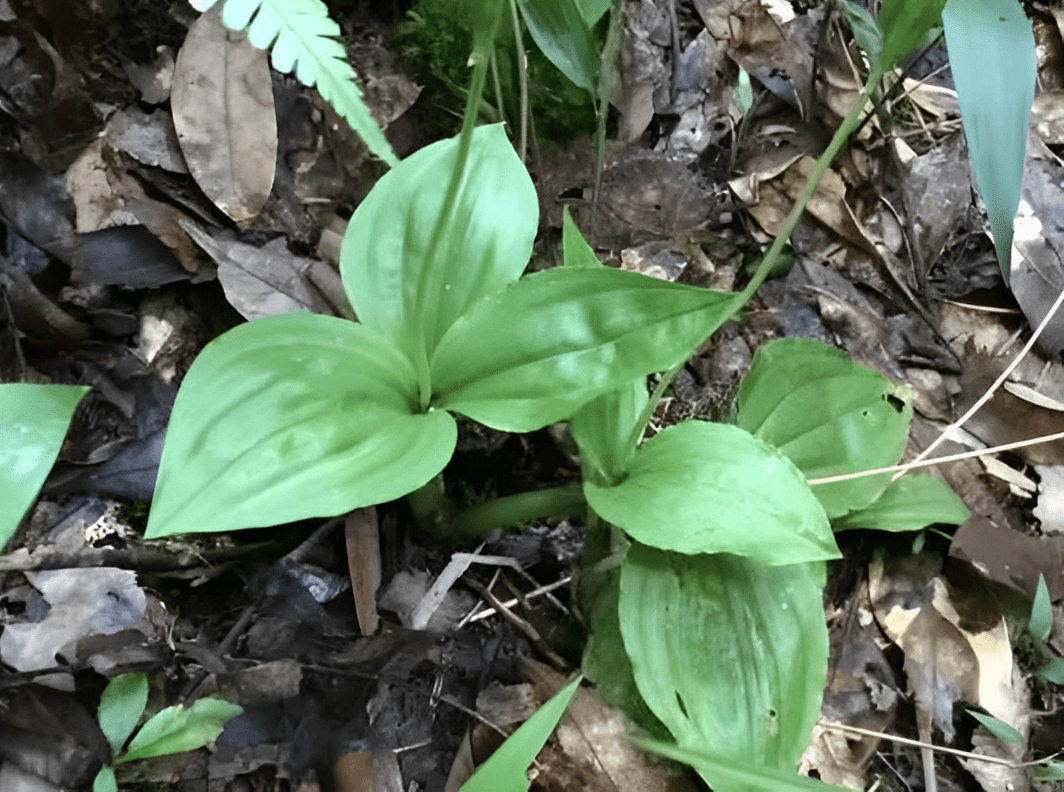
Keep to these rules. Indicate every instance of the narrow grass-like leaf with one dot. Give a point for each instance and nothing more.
(535, 352)
(290, 417)
(829, 415)
(177, 729)
(908, 504)
(504, 771)
(738, 774)
(121, 706)
(865, 29)
(563, 35)
(1001, 730)
(991, 54)
(730, 654)
(33, 423)
(1041, 621)
(302, 38)
(700, 487)
(486, 244)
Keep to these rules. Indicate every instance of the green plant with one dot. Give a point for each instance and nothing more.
(34, 421)
(504, 771)
(1049, 667)
(169, 731)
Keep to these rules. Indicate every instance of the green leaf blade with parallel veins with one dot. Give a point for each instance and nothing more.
(700, 487)
(563, 35)
(121, 706)
(729, 654)
(912, 502)
(535, 352)
(992, 57)
(829, 415)
(486, 243)
(291, 417)
(33, 422)
(178, 729)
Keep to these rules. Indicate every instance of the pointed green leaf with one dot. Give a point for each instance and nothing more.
(177, 729)
(537, 351)
(991, 54)
(829, 415)
(1041, 622)
(865, 29)
(105, 780)
(1053, 671)
(562, 34)
(290, 417)
(730, 654)
(575, 249)
(908, 504)
(700, 487)
(121, 706)
(905, 24)
(1001, 730)
(504, 771)
(302, 38)
(33, 423)
(601, 429)
(486, 243)
(738, 774)
(1050, 771)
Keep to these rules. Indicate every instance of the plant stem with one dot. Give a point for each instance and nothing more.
(429, 285)
(522, 75)
(564, 501)
(838, 140)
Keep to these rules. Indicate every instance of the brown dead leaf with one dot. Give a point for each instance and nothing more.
(364, 561)
(590, 750)
(260, 281)
(222, 100)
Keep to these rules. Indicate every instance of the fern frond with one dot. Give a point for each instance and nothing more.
(300, 37)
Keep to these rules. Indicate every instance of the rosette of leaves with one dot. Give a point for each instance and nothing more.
(301, 415)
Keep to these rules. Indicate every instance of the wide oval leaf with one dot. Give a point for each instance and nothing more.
(729, 654)
(290, 417)
(33, 423)
(177, 729)
(535, 352)
(121, 706)
(991, 54)
(700, 487)
(829, 415)
(908, 504)
(485, 244)
(563, 35)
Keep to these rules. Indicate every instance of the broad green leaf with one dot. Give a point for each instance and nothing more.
(486, 242)
(576, 251)
(700, 487)
(290, 417)
(1050, 771)
(991, 55)
(738, 774)
(865, 29)
(177, 729)
(1053, 671)
(730, 654)
(105, 780)
(121, 706)
(562, 34)
(302, 38)
(1041, 622)
(905, 23)
(535, 352)
(592, 10)
(908, 504)
(33, 423)
(744, 92)
(829, 415)
(504, 771)
(1001, 730)
(601, 429)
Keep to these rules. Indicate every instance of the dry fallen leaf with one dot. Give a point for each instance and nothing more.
(222, 100)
